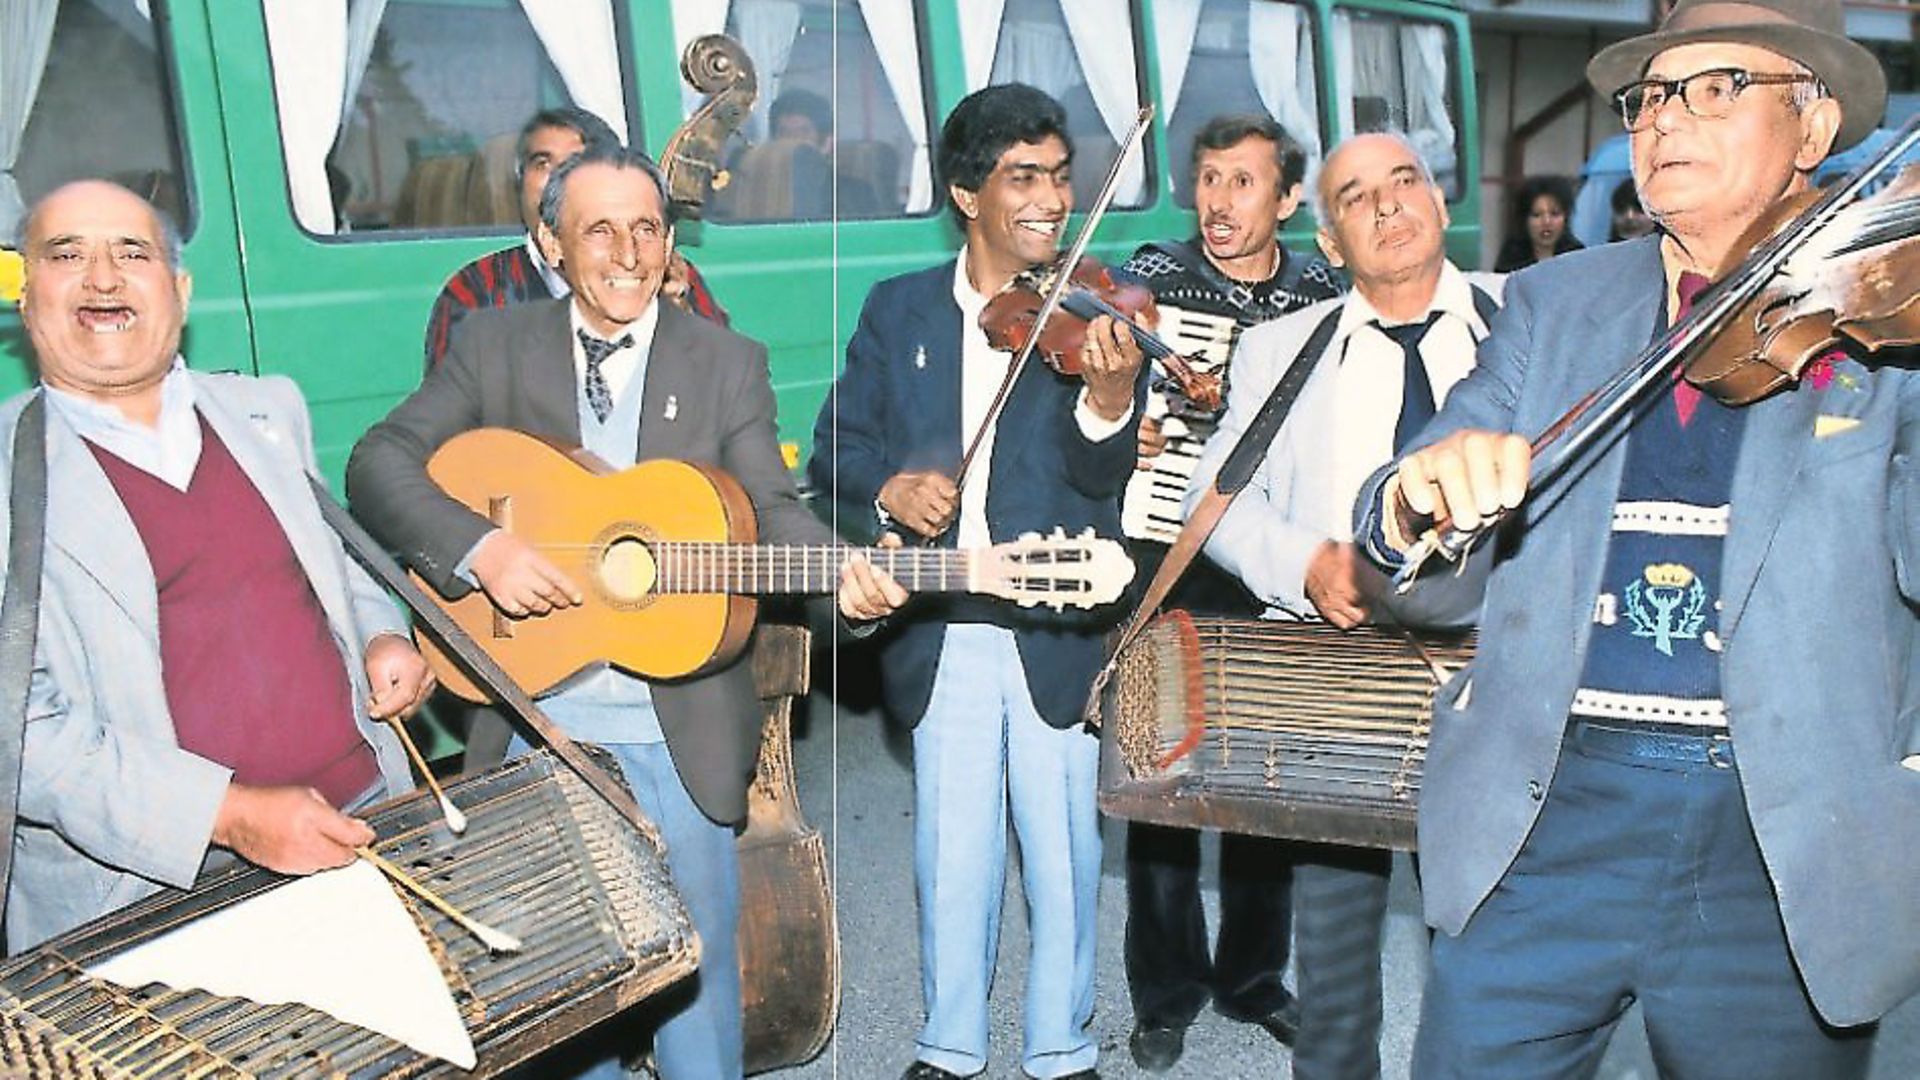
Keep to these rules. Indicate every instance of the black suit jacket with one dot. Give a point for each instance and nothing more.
(513, 368)
(896, 408)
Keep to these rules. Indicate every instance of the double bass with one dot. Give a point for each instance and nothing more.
(788, 933)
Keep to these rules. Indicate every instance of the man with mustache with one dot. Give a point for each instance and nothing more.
(1679, 770)
(993, 690)
(613, 369)
(1383, 356)
(1247, 174)
(211, 669)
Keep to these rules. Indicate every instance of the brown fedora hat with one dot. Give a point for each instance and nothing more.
(1812, 32)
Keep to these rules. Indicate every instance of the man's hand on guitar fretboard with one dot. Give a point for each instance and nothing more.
(519, 580)
(867, 592)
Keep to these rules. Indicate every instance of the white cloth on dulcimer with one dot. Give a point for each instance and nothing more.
(339, 941)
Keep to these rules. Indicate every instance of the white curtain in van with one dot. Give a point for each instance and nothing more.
(1175, 23)
(307, 40)
(579, 39)
(767, 29)
(26, 37)
(979, 33)
(890, 25)
(363, 28)
(1423, 55)
(1102, 32)
(1280, 49)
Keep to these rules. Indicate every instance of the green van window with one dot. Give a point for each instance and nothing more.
(1083, 52)
(402, 114)
(840, 126)
(97, 103)
(1401, 79)
(1235, 56)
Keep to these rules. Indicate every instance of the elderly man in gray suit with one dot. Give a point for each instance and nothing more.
(614, 370)
(1674, 773)
(210, 666)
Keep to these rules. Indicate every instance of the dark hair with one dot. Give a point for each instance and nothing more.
(1229, 131)
(805, 103)
(589, 127)
(620, 157)
(1557, 188)
(1625, 196)
(986, 123)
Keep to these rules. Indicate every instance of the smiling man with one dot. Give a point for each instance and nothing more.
(630, 379)
(1247, 180)
(1383, 356)
(211, 667)
(1655, 783)
(993, 691)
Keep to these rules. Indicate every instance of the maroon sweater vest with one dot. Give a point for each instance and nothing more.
(253, 677)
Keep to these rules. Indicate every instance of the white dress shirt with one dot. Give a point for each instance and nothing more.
(619, 366)
(982, 370)
(170, 450)
(1339, 431)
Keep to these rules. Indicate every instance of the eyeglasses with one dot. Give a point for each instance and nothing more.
(1708, 95)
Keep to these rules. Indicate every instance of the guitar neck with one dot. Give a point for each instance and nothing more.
(801, 569)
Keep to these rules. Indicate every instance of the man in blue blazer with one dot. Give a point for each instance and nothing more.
(994, 691)
(211, 669)
(1674, 774)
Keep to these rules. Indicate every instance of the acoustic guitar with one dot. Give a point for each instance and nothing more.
(665, 554)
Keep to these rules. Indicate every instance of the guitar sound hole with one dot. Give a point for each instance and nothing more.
(627, 570)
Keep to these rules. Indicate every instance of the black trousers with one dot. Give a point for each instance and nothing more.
(1171, 973)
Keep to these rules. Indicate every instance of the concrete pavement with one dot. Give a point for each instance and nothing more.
(856, 787)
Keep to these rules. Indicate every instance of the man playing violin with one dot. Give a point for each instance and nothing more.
(629, 378)
(1674, 772)
(1247, 175)
(993, 691)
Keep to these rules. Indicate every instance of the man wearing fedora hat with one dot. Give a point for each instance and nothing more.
(1678, 771)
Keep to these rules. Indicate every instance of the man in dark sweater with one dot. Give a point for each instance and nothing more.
(210, 667)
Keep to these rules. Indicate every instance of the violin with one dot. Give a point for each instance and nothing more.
(1009, 320)
(1823, 271)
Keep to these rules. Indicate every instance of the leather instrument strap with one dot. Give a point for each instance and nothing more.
(482, 666)
(20, 612)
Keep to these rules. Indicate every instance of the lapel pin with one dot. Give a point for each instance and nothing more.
(920, 356)
(673, 406)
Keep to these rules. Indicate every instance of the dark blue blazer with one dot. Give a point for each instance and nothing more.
(896, 408)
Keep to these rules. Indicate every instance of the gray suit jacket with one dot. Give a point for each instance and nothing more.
(513, 368)
(110, 807)
(1821, 563)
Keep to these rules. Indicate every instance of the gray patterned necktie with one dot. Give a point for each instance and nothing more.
(599, 394)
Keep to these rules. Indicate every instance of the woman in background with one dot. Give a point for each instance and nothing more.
(1538, 229)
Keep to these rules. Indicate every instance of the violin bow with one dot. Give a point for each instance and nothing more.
(1062, 280)
(1568, 437)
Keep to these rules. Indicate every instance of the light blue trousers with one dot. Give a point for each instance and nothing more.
(701, 1040)
(980, 747)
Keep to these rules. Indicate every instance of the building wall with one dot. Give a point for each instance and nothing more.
(1519, 72)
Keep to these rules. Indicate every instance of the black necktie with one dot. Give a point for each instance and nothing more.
(1416, 390)
(599, 394)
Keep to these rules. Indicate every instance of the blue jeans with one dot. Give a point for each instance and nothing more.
(1642, 881)
(699, 1036)
(980, 746)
